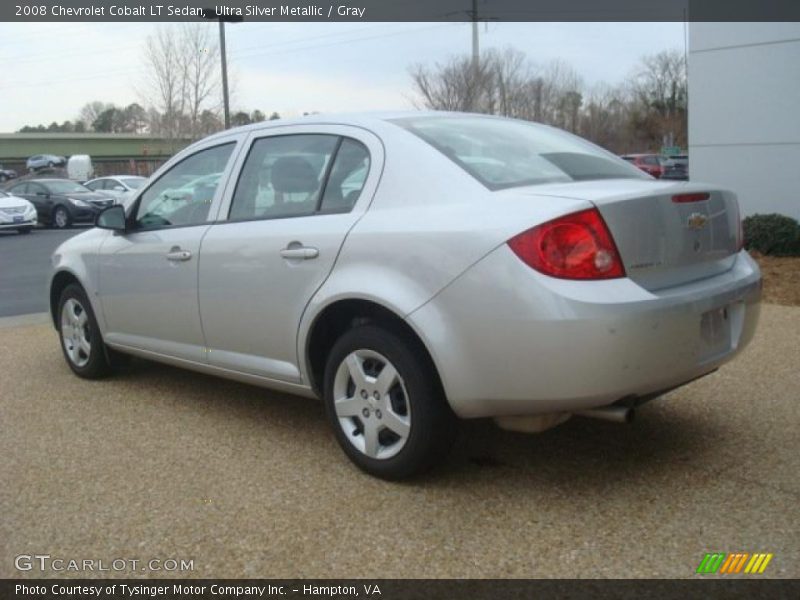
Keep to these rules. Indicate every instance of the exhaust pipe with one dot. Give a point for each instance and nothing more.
(618, 414)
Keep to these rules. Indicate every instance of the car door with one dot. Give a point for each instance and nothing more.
(147, 277)
(41, 198)
(299, 191)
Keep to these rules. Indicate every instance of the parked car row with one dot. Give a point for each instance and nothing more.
(6, 174)
(59, 203)
(78, 166)
(661, 167)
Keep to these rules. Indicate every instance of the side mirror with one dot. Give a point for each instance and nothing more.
(112, 218)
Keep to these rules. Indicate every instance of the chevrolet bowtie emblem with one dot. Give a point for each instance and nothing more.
(696, 221)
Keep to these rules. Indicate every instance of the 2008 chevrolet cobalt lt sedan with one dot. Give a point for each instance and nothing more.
(411, 269)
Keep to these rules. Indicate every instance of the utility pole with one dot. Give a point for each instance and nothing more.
(224, 60)
(476, 53)
(211, 15)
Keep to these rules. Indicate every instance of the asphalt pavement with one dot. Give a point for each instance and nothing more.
(160, 463)
(25, 267)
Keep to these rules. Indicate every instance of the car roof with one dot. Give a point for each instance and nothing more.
(51, 179)
(367, 120)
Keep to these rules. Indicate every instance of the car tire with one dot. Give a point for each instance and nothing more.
(81, 341)
(25, 230)
(3, 178)
(392, 427)
(51, 164)
(61, 218)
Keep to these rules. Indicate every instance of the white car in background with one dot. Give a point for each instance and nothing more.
(16, 213)
(118, 186)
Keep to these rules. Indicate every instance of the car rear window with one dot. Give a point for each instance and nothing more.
(505, 153)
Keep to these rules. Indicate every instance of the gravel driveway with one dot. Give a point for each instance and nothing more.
(162, 463)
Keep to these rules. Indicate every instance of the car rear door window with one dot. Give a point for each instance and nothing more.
(283, 177)
(347, 177)
(183, 195)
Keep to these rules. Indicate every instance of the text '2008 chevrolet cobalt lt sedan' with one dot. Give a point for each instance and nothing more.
(411, 269)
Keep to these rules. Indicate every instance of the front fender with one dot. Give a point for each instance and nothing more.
(77, 258)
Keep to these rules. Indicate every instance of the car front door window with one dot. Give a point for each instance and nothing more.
(183, 195)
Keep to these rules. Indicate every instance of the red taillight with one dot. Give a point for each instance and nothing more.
(696, 197)
(576, 246)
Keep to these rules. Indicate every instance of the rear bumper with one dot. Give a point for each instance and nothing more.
(510, 341)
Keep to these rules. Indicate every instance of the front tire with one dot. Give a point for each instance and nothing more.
(61, 218)
(385, 404)
(81, 341)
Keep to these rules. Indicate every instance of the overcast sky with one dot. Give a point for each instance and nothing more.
(50, 70)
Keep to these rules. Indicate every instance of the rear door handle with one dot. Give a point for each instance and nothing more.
(178, 255)
(302, 252)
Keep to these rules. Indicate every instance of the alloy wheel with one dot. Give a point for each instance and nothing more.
(371, 404)
(76, 332)
(61, 218)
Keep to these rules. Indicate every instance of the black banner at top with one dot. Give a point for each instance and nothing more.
(400, 10)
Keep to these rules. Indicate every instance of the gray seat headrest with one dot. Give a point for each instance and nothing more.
(292, 174)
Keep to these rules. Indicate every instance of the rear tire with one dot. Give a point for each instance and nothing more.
(393, 423)
(81, 341)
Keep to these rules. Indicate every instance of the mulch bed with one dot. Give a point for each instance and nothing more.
(781, 278)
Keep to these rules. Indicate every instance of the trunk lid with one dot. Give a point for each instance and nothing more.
(662, 243)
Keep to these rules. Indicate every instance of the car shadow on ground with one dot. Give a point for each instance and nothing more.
(663, 441)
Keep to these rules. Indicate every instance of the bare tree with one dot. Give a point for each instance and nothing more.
(91, 111)
(457, 85)
(182, 80)
(165, 80)
(507, 83)
(200, 58)
(660, 91)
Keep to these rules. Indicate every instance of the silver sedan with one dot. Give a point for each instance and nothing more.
(411, 269)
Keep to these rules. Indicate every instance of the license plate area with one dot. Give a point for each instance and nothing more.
(19, 219)
(715, 331)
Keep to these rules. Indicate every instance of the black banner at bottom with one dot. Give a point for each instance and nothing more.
(391, 589)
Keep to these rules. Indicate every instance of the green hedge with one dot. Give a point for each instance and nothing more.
(777, 235)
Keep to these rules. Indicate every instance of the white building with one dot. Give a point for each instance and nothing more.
(744, 112)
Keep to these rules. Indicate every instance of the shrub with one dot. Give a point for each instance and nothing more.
(773, 234)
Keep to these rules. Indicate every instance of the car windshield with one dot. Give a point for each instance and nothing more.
(133, 182)
(505, 153)
(65, 187)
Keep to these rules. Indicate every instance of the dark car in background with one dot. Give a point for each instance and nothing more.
(41, 161)
(652, 164)
(6, 174)
(676, 167)
(61, 202)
